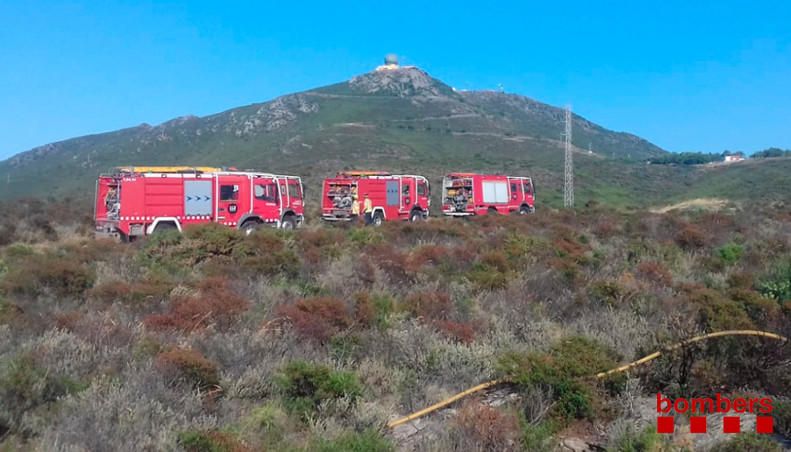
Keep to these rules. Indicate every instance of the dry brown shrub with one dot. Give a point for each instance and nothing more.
(425, 255)
(391, 260)
(655, 272)
(433, 305)
(690, 238)
(460, 332)
(187, 366)
(318, 318)
(364, 310)
(214, 304)
(488, 428)
(112, 291)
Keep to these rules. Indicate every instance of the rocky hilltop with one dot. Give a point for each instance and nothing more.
(401, 119)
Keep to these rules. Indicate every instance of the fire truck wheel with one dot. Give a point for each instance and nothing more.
(378, 218)
(524, 210)
(164, 227)
(250, 226)
(492, 211)
(289, 222)
(415, 216)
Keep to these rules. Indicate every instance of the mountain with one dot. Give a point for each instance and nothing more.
(398, 119)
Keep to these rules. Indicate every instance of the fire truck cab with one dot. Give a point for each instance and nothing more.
(393, 196)
(466, 194)
(135, 201)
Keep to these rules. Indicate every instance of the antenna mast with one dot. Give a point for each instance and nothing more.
(568, 185)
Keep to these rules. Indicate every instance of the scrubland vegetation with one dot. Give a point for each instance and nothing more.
(314, 339)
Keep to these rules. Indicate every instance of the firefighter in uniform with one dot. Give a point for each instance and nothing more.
(368, 210)
(355, 209)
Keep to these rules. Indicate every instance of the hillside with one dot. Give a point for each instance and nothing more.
(402, 119)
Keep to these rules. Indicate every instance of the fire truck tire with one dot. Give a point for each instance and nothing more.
(164, 227)
(415, 216)
(250, 226)
(378, 218)
(289, 222)
(524, 210)
(492, 211)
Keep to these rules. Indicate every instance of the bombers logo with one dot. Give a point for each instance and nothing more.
(700, 406)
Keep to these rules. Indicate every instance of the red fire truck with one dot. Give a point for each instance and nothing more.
(135, 201)
(465, 194)
(393, 196)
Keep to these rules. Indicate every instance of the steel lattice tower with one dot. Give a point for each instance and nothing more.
(568, 185)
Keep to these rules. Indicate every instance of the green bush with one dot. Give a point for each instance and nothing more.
(366, 441)
(538, 437)
(484, 277)
(305, 385)
(632, 440)
(777, 284)
(268, 422)
(730, 253)
(563, 369)
(209, 441)
(365, 236)
(66, 276)
(782, 415)
(748, 442)
(25, 386)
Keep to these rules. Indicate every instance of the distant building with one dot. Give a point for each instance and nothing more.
(733, 158)
(391, 63)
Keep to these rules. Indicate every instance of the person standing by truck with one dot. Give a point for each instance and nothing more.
(368, 210)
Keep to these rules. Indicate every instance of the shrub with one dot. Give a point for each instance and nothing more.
(460, 332)
(112, 291)
(9, 312)
(366, 441)
(486, 278)
(433, 305)
(214, 303)
(187, 366)
(427, 255)
(608, 293)
(630, 439)
(210, 441)
(32, 274)
(730, 253)
(748, 442)
(538, 437)
(690, 238)
(318, 318)
(655, 272)
(782, 416)
(305, 385)
(716, 312)
(561, 370)
(24, 386)
(268, 253)
(486, 427)
(777, 285)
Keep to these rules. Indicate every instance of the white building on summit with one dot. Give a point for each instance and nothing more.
(391, 63)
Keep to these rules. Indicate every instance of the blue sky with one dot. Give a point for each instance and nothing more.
(686, 75)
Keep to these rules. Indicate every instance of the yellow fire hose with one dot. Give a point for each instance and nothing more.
(600, 375)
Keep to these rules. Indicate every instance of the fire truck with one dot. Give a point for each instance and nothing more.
(466, 194)
(393, 196)
(135, 201)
